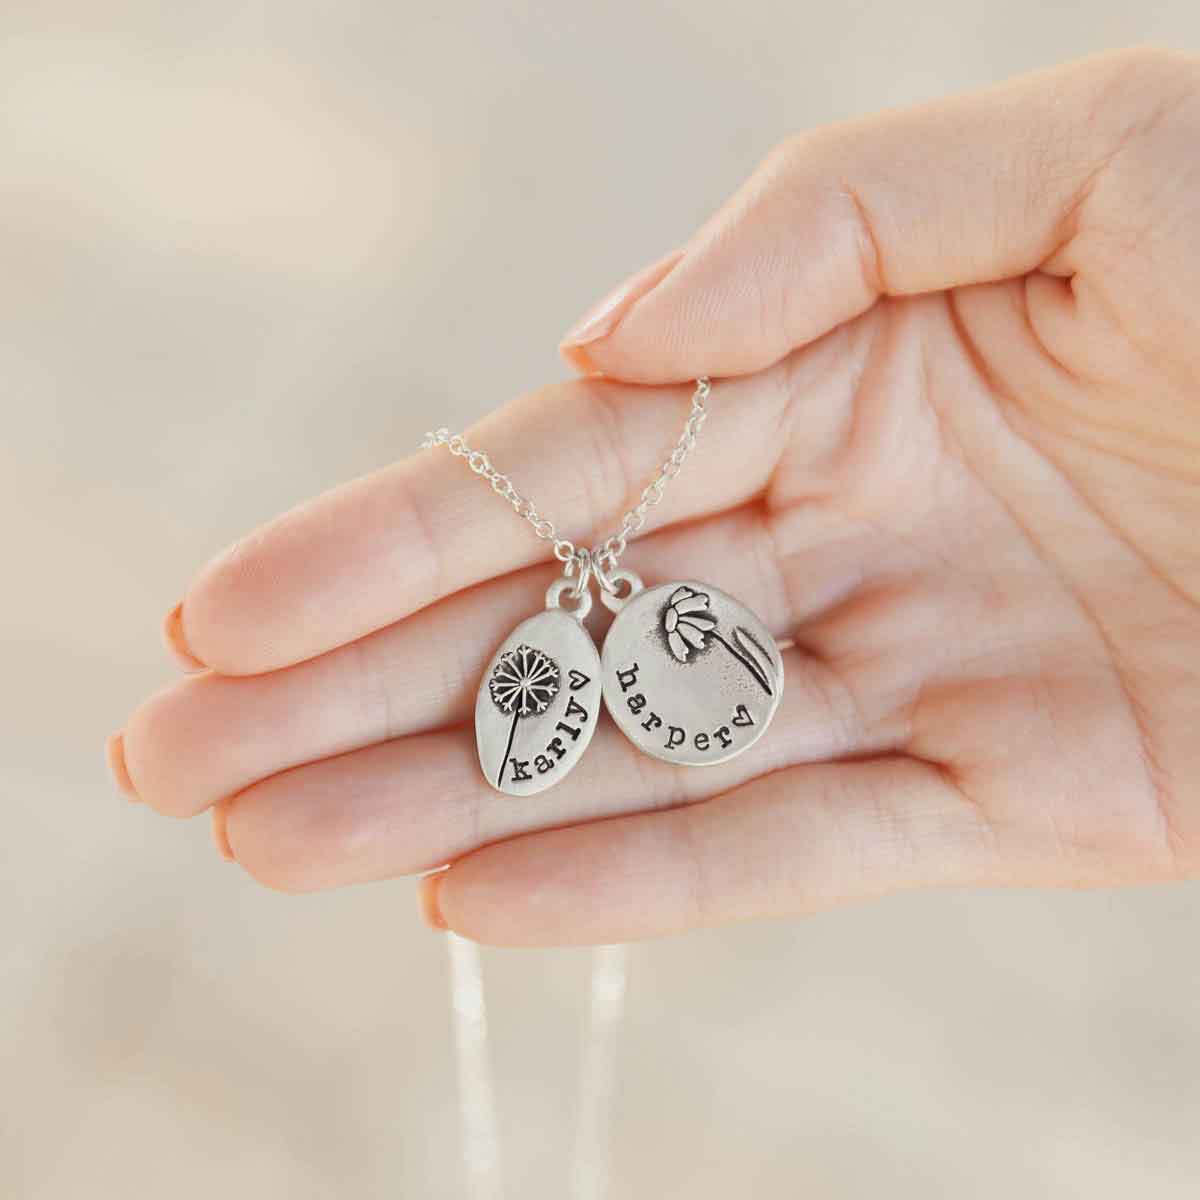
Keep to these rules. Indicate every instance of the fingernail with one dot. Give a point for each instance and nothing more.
(428, 887)
(220, 831)
(580, 359)
(177, 642)
(114, 750)
(601, 320)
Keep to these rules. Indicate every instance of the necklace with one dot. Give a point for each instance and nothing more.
(687, 672)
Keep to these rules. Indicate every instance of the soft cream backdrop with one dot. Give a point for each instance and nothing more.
(249, 250)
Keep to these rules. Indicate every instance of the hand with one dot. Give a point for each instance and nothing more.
(954, 452)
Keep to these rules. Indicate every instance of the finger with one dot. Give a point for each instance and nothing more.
(793, 842)
(974, 188)
(412, 804)
(382, 547)
(208, 736)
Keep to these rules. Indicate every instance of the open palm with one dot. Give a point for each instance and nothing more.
(953, 453)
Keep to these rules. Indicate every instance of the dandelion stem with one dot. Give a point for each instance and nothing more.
(512, 733)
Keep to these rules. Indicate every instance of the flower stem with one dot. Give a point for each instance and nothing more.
(750, 666)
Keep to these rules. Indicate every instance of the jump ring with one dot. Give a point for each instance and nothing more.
(583, 558)
(602, 575)
(611, 596)
(561, 586)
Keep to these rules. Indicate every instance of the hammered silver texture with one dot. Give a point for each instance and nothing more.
(690, 675)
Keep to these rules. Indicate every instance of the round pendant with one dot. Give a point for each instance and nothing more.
(689, 674)
(537, 704)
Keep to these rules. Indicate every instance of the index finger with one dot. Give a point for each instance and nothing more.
(373, 551)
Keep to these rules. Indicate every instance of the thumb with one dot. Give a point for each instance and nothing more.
(965, 190)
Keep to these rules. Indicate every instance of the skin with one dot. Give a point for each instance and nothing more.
(954, 452)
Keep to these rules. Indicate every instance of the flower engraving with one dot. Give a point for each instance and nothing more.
(687, 622)
(523, 683)
(689, 626)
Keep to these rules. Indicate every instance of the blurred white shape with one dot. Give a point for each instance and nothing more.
(597, 1076)
(480, 1140)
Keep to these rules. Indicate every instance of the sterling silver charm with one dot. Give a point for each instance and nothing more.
(690, 675)
(539, 698)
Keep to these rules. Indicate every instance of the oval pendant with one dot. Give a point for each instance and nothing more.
(537, 704)
(689, 674)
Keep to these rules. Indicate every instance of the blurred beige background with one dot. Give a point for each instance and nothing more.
(249, 250)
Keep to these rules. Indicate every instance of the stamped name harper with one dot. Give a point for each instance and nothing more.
(673, 735)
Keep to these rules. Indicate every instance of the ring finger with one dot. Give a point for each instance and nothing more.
(412, 804)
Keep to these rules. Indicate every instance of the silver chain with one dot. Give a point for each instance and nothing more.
(610, 550)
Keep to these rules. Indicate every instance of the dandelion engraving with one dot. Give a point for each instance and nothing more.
(523, 683)
(689, 626)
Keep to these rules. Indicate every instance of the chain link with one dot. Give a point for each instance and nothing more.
(606, 555)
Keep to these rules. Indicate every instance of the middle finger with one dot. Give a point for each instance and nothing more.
(209, 736)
